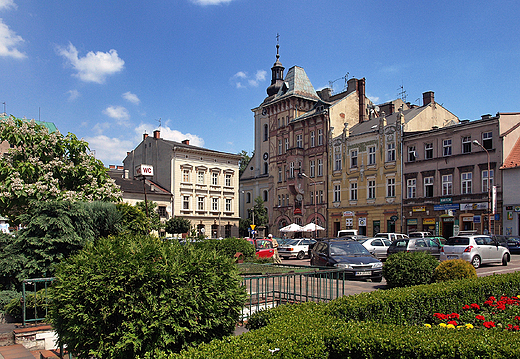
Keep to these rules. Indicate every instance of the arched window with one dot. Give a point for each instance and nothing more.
(266, 132)
(265, 196)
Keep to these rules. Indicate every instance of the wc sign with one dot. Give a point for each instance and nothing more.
(143, 170)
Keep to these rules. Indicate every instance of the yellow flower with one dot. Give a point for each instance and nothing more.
(442, 325)
(469, 326)
(451, 326)
(427, 325)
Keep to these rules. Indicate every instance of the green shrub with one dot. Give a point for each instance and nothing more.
(404, 269)
(15, 307)
(454, 269)
(124, 296)
(230, 246)
(7, 296)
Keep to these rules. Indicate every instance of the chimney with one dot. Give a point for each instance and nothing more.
(186, 142)
(428, 98)
(352, 85)
(112, 167)
(362, 107)
(392, 108)
(120, 168)
(157, 134)
(145, 136)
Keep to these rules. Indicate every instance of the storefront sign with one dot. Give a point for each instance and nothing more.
(362, 221)
(348, 214)
(411, 221)
(446, 200)
(467, 219)
(445, 207)
(473, 206)
(348, 222)
(476, 219)
(419, 209)
(509, 215)
(517, 208)
(428, 221)
(448, 219)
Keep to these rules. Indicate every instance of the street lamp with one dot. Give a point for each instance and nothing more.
(476, 143)
(315, 206)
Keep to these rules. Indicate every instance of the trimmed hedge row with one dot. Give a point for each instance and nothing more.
(385, 324)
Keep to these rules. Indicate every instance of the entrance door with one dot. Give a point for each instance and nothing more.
(447, 229)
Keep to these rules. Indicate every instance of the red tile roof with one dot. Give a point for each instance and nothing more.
(513, 160)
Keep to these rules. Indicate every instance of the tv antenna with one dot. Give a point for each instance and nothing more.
(159, 120)
(402, 93)
(345, 78)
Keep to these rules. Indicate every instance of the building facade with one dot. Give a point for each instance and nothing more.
(203, 183)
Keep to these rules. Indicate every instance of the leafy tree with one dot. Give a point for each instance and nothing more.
(177, 225)
(244, 161)
(153, 214)
(133, 219)
(125, 296)
(45, 166)
(244, 226)
(260, 212)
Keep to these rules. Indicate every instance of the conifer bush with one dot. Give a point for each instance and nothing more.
(123, 296)
(454, 269)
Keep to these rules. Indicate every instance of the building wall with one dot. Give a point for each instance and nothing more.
(511, 206)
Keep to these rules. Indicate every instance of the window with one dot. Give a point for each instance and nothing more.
(337, 158)
(266, 132)
(265, 196)
(390, 152)
(299, 141)
(200, 203)
(371, 186)
(320, 167)
(291, 170)
(185, 202)
(446, 147)
(279, 201)
(286, 144)
(228, 180)
(313, 138)
(487, 140)
(280, 174)
(287, 199)
(185, 175)
(248, 197)
(200, 177)
(428, 151)
(320, 196)
(162, 211)
(280, 147)
(214, 178)
(428, 187)
(466, 144)
(214, 204)
(337, 193)
(283, 200)
(353, 191)
(285, 172)
(372, 155)
(266, 168)
(465, 182)
(312, 197)
(279, 123)
(312, 168)
(320, 137)
(411, 154)
(485, 180)
(411, 186)
(390, 187)
(447, 183)
(353, 158)
(229, 208)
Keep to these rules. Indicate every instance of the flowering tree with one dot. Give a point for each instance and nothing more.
(47, 166)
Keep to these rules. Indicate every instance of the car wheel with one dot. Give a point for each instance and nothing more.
(505, 259)
(301, 255)
(377, 280)
(475, 262)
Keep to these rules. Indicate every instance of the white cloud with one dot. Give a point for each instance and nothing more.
(253, 81)
(109, 150)
(6, 4)
(119, 113)
(9, 41)
(168, 134)
(99, 128)
(210, 2)
(73, 94)
(374, 99)
(130, 97)
(94, 67)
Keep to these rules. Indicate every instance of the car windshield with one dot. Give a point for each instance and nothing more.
(415, 235)
(458, 241)
(347, 248)
(262, 244)
(363, 241)
(292, 242)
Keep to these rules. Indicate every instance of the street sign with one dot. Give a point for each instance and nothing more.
(143, 170)
(252, 226)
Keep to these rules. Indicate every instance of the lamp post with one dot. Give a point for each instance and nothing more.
(476, 143)
(315, 206)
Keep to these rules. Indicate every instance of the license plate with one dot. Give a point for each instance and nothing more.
(453, 257)
(363, 273)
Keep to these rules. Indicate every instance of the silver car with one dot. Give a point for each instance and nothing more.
(377, 246)
(476, 249)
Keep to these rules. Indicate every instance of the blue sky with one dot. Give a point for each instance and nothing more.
(109, 71)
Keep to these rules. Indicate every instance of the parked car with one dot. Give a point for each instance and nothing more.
(427, 245)
(476, 249)
(264, 247)
(419, 234)
(391, 236)
(298, 248)
(348, 255)
(513, 244)
(377, 246)
(347, 232)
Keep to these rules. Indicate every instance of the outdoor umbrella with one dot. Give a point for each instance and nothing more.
(293, 227)
(311, 227)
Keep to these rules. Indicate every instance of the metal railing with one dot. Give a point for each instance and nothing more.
(270, 290)
(40, 301)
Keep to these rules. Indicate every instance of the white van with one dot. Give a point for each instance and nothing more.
(391, 236)
(347, 232)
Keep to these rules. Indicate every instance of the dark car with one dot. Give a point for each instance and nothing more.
(428, 245)
(348, 255)
(513, 243)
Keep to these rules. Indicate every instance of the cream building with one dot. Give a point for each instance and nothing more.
(203, 183)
